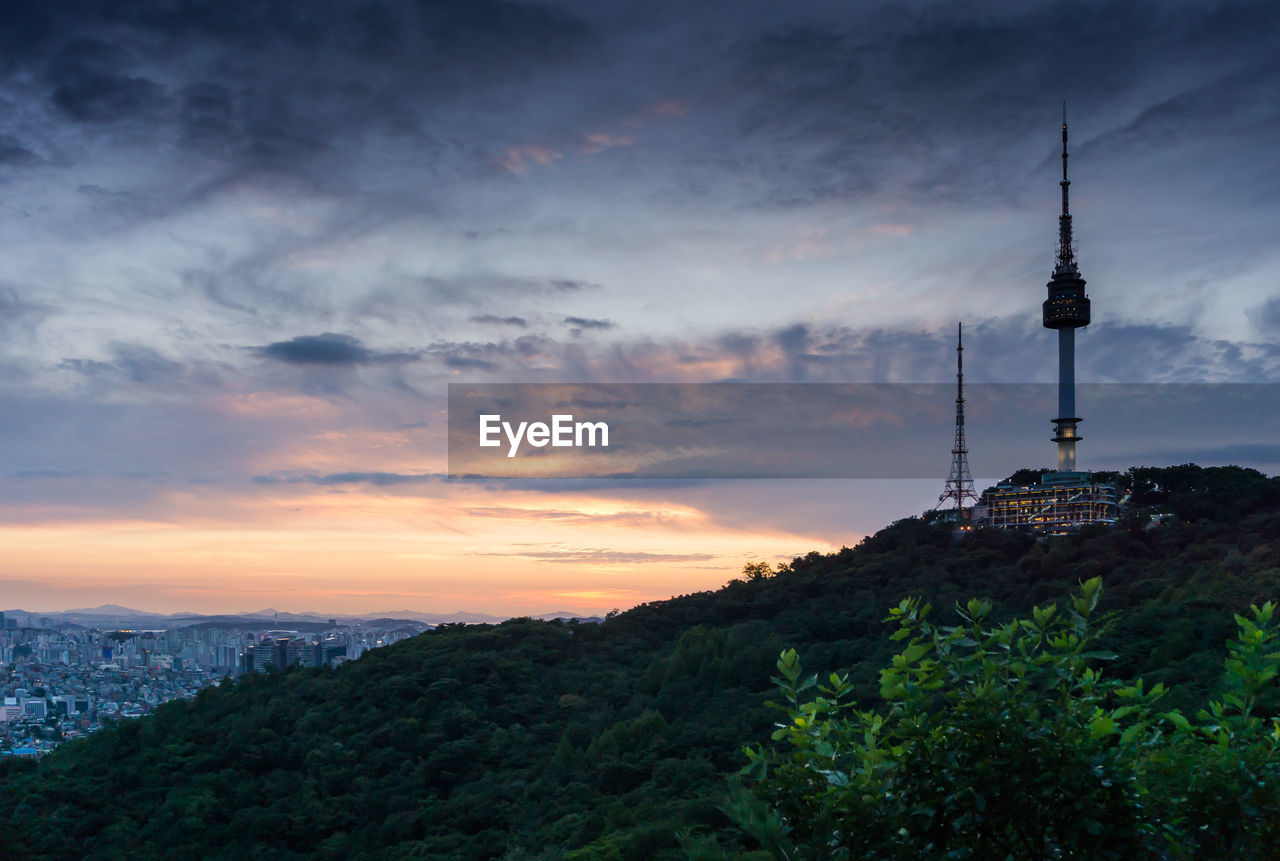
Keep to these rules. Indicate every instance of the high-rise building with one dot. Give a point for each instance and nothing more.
(279, 649)
(226, 657)
(327, 650)
(297, 651)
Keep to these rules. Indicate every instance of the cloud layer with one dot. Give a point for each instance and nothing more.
(247, 245)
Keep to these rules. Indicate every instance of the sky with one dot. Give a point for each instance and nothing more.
(247, 246)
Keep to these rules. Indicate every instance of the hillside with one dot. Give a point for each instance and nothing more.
(567, 740)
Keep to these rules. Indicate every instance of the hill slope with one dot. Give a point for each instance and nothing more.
(551, 739)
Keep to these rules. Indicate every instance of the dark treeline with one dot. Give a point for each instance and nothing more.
(531, 740)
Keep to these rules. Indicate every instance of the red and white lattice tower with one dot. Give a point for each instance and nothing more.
(959, 485)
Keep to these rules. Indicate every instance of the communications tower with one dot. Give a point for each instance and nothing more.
(959, 484)
(1066, 310)
(1063, 500)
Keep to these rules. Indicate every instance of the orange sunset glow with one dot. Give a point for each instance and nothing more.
(368, 552)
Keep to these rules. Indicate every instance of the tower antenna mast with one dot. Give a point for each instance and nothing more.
(959, 484)
(1066, 246)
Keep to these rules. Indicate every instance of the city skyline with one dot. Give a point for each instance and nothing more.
(246, 250)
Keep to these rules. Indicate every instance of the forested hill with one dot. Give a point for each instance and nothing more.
(563, 740)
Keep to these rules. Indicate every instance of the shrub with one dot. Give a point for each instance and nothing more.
(1006, 741)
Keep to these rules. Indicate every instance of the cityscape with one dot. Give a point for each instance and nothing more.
(60, 680)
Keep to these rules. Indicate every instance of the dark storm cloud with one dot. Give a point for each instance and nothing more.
(268, 86)
(327, 349)
(89, 86)
(324, 349)
(276, 85)
(940, 92)
(434, 34)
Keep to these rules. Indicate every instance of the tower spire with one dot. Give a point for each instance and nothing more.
(1066, 253)
(959, 484)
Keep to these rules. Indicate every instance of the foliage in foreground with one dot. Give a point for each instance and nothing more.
(1003, 741)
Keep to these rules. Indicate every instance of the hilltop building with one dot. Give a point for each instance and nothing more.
(1059, 503)
(1066, 498)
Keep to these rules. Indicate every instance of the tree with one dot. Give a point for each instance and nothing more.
(1004, 741)
(757, 571)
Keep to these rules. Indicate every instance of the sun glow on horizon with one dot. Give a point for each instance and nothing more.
(454, 547)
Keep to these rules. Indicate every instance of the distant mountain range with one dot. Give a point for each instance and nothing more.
(114, 613)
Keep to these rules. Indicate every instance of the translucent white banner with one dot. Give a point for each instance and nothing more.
(820, 430)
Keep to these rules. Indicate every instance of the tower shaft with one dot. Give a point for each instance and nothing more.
(1065, 424)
